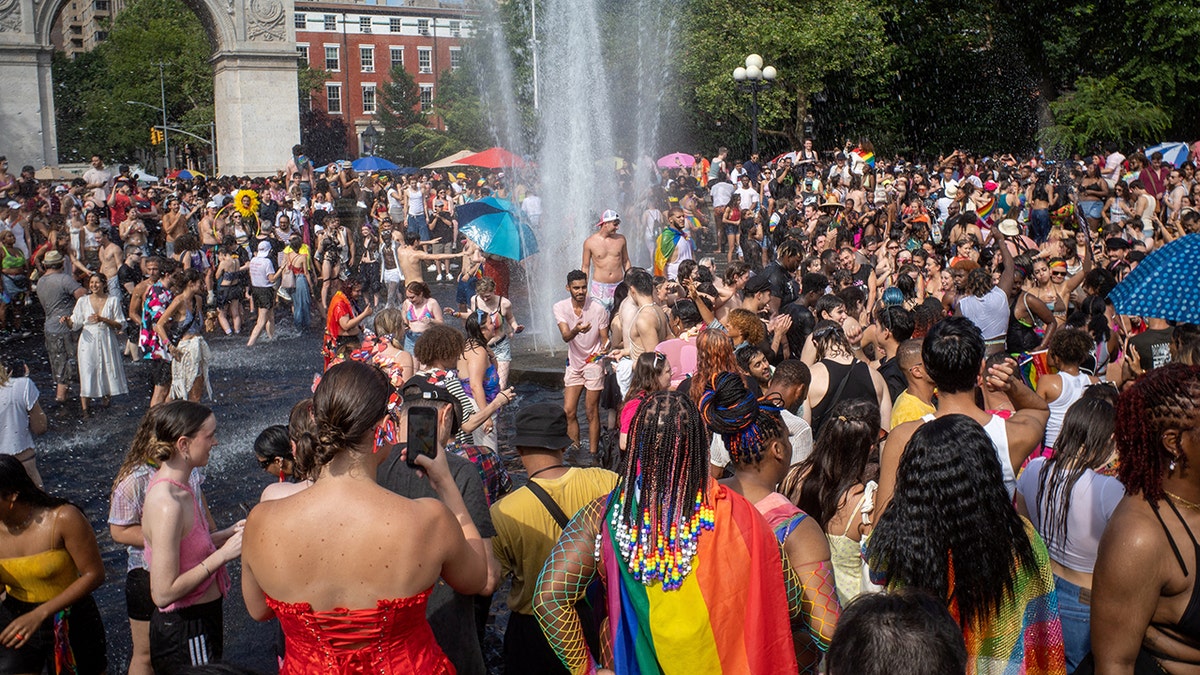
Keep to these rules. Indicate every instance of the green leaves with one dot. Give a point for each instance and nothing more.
(1101, 110)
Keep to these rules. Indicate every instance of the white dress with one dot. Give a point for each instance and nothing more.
(101, 371)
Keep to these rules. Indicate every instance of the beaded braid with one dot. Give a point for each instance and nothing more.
(745, 423)
(662, 504)
(1162, 399)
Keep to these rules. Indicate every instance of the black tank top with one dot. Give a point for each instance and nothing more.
(858, 387)
(1188, 626)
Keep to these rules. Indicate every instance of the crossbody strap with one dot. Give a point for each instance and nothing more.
(547, 501)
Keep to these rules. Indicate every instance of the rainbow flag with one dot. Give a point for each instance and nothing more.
(668, 239)
(1033, 365)
(865, 156)
(693, 222)
(985, 212)
(729, 616)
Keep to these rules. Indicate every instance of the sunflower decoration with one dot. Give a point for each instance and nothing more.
(246, 203)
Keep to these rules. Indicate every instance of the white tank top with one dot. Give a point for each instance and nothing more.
(998, 432)
(1072, 389)
(416, 202)
(989, 313)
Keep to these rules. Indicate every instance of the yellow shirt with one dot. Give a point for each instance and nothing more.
(908, 408)
(526, 532)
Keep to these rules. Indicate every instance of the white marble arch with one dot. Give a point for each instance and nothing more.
(254, 71)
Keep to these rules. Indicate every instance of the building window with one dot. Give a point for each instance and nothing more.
(364, 24)
(332, 60)
(426, 97)
(455, 29)
(333, 99)
(101, 5)
(368, 91)
(395, 24)
(424, 60)
(101, 35)
(422, 26)
(455, 58)
(366, 55)
(330, 22)
(306, 100)
(397, 54)
(302, 54)
(301, 21)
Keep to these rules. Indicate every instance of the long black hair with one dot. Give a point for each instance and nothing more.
(951, 507)
(838, 461)
(1085, 442)
(14, 480)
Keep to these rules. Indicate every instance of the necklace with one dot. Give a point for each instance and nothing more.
(1183, 502)
(545, 469)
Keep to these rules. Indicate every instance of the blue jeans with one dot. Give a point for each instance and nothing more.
(419, 226)
(1039, 225)
(1076, 621)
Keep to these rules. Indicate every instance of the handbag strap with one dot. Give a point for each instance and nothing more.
(547, 501)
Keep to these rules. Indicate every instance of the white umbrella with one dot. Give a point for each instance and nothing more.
(451, 161)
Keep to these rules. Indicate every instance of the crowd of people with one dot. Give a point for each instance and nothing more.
(842, 417)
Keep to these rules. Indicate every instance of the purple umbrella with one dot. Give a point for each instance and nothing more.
(676, 160)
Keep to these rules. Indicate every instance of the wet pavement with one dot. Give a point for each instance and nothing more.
(252, 388)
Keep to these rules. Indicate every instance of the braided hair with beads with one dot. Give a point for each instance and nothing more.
(746, 424)
(1164, 398)
(661, 504)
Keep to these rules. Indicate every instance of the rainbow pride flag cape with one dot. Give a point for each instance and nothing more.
(865, 156)
(664, 248)
(984, 213)
(729, 616)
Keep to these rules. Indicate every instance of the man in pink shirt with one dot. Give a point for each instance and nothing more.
(583, 323)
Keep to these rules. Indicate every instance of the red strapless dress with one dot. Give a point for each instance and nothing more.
(391, 639)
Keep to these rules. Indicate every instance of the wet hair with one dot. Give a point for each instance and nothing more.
(686, 267)
(829, 334)
(274, 442)
(813, 282)
(1071, 346)
(978, 282)
(838, 462)
(714, 354)
(646, 370)
(952, 352)
(302, 431)
(15, 480)
(744, 355)
(854, 297)
(748, 323)
(484, 284)
(1100, 280)
(103, 280)
(1163, 399)
(1085, 442)
(826, 304)
(925, 315)
(639, 280)
(791, 373)
(1185, 344)
(897, 321)
(141, 450)
(950, 503)
(572, 277)
(734, 270)
(169, 423)
(389, 323)
(745, 423)
(473, 327)
(439, 346)
(181, 279)
(686, 311)
(905, 632)
(1091, 316)
(419, 288)
(351, 398)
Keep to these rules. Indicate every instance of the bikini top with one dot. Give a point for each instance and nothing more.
(1188, 625)
(411, 314)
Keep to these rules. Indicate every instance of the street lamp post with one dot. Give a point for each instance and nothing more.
(368, 136)
(754, 77)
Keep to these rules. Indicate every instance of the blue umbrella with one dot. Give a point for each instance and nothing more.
(496, 227)
(1173, 153)
(1166, 285)
(373, 163)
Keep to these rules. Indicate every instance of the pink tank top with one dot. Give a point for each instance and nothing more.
(196, 545)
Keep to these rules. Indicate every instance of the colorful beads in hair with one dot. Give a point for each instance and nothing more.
(746, 424)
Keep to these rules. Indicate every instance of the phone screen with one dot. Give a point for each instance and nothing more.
(422, 434)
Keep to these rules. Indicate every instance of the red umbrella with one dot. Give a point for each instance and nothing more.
(493, 158)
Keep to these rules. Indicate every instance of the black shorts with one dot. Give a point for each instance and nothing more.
(227, 295)
(264, 298)
(138, 604)
(84, 627)
(192, 636)
(160, 372)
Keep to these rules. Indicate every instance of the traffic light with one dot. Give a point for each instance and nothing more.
(156, 136)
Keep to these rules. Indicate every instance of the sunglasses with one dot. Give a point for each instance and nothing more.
(266, 463)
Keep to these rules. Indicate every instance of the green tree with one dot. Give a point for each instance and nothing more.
(398, 108)
(460, 107)
(1102, 110)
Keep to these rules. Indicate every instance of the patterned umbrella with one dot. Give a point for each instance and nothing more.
(1166, 285)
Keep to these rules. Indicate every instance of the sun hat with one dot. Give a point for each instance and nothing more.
(1009, 228)
(951, 189)
(53, 259)
(541, 425)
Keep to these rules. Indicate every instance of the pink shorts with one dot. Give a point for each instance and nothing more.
(591, 376)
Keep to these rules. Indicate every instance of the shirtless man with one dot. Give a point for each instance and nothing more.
(411, 257)
(174, 224)
(111, 257)
(643, 325)
(607, 251)
(133, 232)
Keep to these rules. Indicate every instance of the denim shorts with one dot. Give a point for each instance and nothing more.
(503, 349)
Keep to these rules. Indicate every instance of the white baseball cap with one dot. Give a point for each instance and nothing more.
(609, 216)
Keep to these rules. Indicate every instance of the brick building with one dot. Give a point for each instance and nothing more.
(358, 43)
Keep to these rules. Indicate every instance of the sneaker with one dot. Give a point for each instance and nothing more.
(431, 268)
